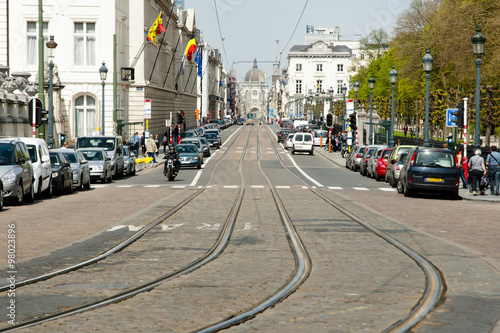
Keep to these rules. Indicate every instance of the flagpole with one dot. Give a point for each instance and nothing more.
(190, 73)
(161, 43)
(173, 55)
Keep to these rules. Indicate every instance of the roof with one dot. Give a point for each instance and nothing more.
(255, 74)
(334, 49)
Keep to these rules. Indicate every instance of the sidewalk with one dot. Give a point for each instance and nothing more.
(463, 192)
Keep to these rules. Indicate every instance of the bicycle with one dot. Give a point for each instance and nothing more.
(141, 163)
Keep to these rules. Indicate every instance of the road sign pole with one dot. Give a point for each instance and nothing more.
(466, 135)
(33, 112)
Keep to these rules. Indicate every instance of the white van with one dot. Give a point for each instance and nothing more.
(42, 170)
(297, 123)
(302, 142)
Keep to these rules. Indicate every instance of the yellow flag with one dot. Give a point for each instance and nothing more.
(155, 29)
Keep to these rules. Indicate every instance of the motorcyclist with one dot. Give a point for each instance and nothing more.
(172, 153)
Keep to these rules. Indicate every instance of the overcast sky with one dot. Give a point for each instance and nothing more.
(251, 28)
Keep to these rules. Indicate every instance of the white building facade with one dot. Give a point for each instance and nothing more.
(255, 93)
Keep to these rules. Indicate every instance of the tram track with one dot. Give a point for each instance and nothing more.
(434, 281)
(216, 249)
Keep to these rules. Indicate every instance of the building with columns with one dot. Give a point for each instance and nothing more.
(254, 91)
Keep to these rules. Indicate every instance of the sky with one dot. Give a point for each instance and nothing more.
(262, 28)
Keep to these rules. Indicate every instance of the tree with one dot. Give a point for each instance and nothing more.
(375, 44)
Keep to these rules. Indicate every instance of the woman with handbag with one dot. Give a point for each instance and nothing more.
(477, 170)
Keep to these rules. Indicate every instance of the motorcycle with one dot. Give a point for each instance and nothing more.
(344, 150)
(169, 169)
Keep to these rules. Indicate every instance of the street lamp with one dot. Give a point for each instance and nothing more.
(427, 60)
(478, 41)
(371, 85)
(392, 76)
(51, 45)
(103, 72)
(344, 90)
(316, 108)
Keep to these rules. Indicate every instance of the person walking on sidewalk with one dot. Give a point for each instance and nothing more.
(477, 169)
(459, 162)
(151, 148)
(493, 163)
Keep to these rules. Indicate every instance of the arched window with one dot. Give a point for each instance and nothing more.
(85, 115)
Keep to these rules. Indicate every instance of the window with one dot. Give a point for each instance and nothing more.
(85, 116)
(340, 68)
(298, 87)
(319, 85)
(85, 44)
(319, 67)
(339, 86)
(298, 67)
(32, 35)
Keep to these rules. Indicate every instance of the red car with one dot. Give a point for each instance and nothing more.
(382, 164)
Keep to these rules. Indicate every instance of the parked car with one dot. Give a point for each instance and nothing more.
(205, 145)
(79, 167)
(99, 164)
(213, 139)
(128, 161)
(283, 134)
(40, 159)
(396, 168)
(389, 177)
(303, 142)
(16, 171)
(62, 177)
(198, 145)
(113, 146)
(1, 195)
(356, 157)
(288, 141)
(320, 137)
(380, 166)
(368, 152)
(430, 170)
(189, 155)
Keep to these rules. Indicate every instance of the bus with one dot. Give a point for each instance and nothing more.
(250, 119)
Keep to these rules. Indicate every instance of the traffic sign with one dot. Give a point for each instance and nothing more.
(35, 111)
(450, 117)
(147, 109)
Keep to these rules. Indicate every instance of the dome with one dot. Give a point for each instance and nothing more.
(255, 75)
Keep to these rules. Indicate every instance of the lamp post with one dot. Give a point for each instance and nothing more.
(478, 41)
(427, 60)
(103, 72)
(356, 90)
(316, 108)
(392, 76)
(344, 90)
(371, 85)
(51, 45)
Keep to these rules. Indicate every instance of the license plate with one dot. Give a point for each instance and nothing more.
(434, 180)
(185, 162)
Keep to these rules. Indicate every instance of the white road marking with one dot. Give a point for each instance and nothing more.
(135, 228)
(171, 226)
(152, 186)
(387, 189)
(248, 226)
(257, 186)
(360, 189)
(335, 188)
(179, 186)
(231, 136)
(100, 186)
(125, 185)
(118, 227)
(196, 178)
(231, 186)
(206, 226)
(303, 173)
(282, 186)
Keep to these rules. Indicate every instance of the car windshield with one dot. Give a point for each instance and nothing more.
(189, 134)
(197, 143)
(32, 151)
(441, 159)
(70, 157)
(211, 136)
(54, 159)
(203, 140)
(401, 157)
(91, 155)
(186, 149)
(106, 143)
(387, 153)
(6, 154)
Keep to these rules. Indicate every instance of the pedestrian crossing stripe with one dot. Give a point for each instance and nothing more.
(360, 189)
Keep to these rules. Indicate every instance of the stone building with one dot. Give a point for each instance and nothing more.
(254, 91)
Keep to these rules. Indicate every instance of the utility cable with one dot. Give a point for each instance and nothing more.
(295, 29)
(220, 33)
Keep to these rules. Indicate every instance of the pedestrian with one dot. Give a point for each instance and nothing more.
(405, 129)
(151, 148)
(143, 143)
(477, 170)
(125, 138)
(134, 141)
(176, 134)
(493, 163)
(165, 141)
(459, 162)
(157, 141)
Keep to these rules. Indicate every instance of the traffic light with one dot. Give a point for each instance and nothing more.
(180, 119)
(329, 120)
(35, 102)
(42, 117)
(460, 115)
(352, 121)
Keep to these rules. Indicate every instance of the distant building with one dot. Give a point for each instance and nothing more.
(254, 91)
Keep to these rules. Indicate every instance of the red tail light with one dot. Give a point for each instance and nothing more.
(410, 179)
(413, 159)
(357, 156)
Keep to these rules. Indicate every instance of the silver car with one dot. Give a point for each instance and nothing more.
(16, 171)
(197, 143)
(128, 161)
(99, 164)
(79, 167)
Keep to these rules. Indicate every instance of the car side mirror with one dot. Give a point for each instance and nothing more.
(45, 158)
(21, 160)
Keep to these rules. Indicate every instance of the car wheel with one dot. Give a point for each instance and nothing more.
(399, 186)
(71, 188)
(198, 166)
(60, 189)
(39, 190)
(311, 152)
(393, 182)
(31, 194)
(406, 191)
(110, 178)
(377, 177)
(20, 194)
(1, 198)
(87, 185)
